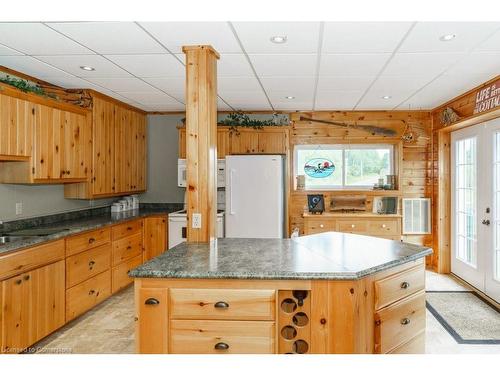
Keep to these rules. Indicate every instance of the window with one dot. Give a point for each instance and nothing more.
(328, 167)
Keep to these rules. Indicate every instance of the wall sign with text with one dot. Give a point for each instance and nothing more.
(488, 97)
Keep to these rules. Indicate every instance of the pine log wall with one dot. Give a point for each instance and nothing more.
(417, 165)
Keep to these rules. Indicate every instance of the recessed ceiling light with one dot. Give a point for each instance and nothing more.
(290, 97)
(447, 37)
(278, 39)
(386, 97)
(87, 68)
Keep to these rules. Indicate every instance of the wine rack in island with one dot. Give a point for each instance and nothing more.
(293, 320)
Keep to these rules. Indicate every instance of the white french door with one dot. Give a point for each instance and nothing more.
(475, 189)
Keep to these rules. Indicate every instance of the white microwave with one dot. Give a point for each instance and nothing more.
(182, 174)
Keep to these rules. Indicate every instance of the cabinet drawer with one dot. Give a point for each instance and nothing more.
(415, 346)
(398, 286)
(318, 226)
(351, 226)
(83, 266)
(127, 229)
(224, 337)
(127, 248)
(384, 227)
(88, 240)
(119, 274)
(399, 323)
(17, 262)
(225, 304)
(84, 296)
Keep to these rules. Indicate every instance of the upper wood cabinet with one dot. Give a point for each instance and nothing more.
(272, 140)
(119, 152)
(42, 143)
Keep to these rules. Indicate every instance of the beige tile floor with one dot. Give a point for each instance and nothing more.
(109, 327)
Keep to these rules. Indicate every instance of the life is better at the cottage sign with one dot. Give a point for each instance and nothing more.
(488, 97)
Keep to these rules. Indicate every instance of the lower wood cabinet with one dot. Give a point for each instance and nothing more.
(221, 337)
(86, 295)
(32, 306)
(119, 274)
(155, 236)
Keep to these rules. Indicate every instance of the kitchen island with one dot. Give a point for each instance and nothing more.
(325, 293)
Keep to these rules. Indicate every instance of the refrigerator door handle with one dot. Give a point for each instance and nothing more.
(231, 212)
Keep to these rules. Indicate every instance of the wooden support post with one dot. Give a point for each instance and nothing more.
(201, 141)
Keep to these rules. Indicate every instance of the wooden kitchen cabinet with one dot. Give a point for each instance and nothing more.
(17, 117)
(51, 144)
(244, 142)
(32, 306)
(155, 236)
(273, 142)
(119, 152)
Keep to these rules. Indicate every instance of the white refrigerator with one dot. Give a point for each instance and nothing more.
(255, 196)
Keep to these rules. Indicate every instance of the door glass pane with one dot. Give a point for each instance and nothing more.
(465, 201)
(496, 207)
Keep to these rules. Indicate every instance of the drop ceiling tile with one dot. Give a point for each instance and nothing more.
(165, 107)
(248, 105)
(110, 37)
(430, 97)
(71, 82)
(302, 37)
(492, 44)
(71, 64)
(233, 65)
(123, 84)
(352, 64)
(149, 98)
(421, 64)
(487, 63)
(291, 84)
(221, 106)
(363, 37)
(6, 51)
(31, 66)
(34, 38)
(249, 83)
(239, 96)
(174, 35)
(373, 100)
(396, 85)
(299, 96)
(174, 86)
(425, 36)
(156, 65)
(284, 65)
(337, 99)
(293, 106)
(361, 83)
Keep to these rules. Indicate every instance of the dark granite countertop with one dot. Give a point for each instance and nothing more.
(325, 256)
(77, 225)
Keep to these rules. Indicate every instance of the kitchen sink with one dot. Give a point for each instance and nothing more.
(6, 238)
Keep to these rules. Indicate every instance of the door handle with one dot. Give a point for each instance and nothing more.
(231, 211)
(486, 222)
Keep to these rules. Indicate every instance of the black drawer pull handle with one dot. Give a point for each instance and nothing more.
(92, 291)
(18, 281)
(221, 346)
(221, 305)
(91, 264)
(91, 240)
(405, 321)
(152, 301)
(27, 277)
(405, 285)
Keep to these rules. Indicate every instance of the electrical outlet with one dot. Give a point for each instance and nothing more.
(196, 221)
(19, 208)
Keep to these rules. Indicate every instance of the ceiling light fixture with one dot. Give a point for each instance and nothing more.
(386, 97)
(279, 39)
(87, 68)
(447, 37)
(289, 97)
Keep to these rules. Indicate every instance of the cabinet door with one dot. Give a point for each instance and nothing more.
(33, 306)
(246, 142)
(138, 160)
(182, 143)
(272, 142)
(123, 149)
(76, 146)
(103, 172)
(16, 126)
(155, 237)
(49, 123)
(222, 143)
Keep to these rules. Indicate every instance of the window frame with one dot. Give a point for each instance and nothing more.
(343, 147)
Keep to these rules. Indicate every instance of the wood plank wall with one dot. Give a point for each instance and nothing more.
(417, 165)
(463, 105)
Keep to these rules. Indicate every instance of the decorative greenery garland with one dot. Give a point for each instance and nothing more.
(236, 120)
(25, 86)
